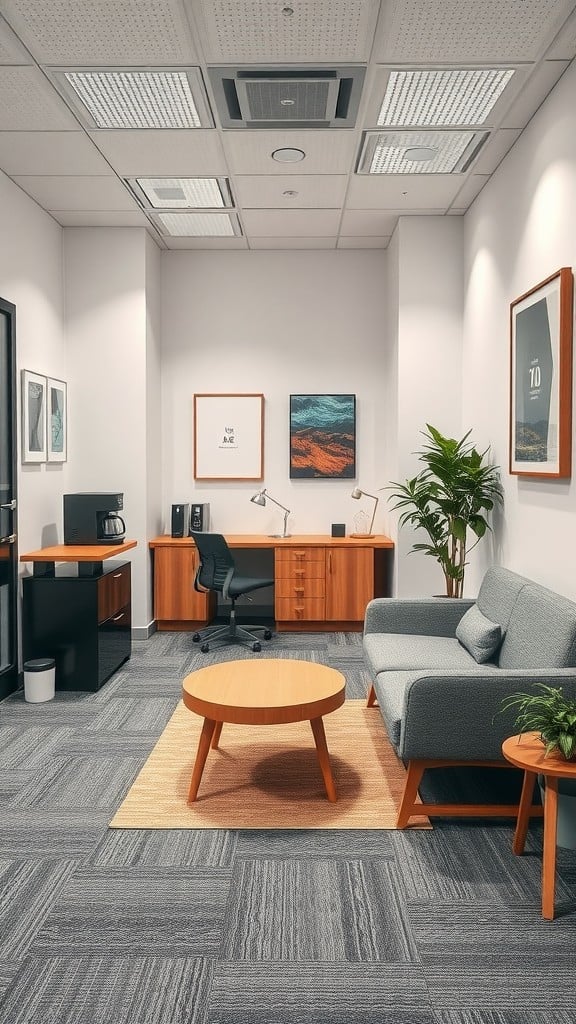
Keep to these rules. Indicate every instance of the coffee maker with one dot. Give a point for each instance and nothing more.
(92, 518)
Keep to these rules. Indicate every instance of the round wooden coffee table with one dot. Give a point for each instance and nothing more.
(527, 751)
(267, 691)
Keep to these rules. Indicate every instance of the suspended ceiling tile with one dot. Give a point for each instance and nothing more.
(251, 31)
(29, 103)
(492, 154)
(77, 193)
(367, 222)
(11, 50)
(364, 242)
(151, 153)
(107, 33)
(292, 243)
(100, 218)
(326, 152)
(291, 222)
(465, 31)
(49, 153)
(533, 93)
(470, 189)
(204, 243)
(311, 190)
(395, 191)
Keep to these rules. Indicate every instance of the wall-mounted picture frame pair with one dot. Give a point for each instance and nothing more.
(229, 437)
(541, 379)
(44, 418)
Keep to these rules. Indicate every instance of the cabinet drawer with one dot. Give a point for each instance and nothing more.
(113, 592)
(295, 589)
(287, 609)
(286, 557)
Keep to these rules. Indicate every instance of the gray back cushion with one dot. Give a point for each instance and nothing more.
(498, 593)
(541, 632)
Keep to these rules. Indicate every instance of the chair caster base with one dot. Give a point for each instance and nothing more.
(257, 646)
(196, 638)
(205, 648)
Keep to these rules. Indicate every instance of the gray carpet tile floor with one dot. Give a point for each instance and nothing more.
(130, 926)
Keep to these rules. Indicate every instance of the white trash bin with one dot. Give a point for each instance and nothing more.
(39, 680)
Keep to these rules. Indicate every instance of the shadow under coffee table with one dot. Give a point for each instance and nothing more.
(266, 691)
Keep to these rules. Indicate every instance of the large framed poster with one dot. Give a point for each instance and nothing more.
(541, 378)
(228, 437)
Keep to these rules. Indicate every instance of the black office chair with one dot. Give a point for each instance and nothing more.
(217, 571)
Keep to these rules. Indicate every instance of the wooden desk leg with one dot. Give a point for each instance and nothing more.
(323, 757)
(216, 735)
(201, 755)
(549, 855)
(524, 812)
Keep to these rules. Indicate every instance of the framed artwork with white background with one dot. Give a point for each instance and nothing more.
(56, 420)
(541, 378)
(229, 437)
(33, 417)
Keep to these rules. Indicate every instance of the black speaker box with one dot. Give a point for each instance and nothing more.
(338, 529)
(179, 520)
(200, 517)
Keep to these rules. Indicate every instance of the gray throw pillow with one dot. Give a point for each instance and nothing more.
(478, 635)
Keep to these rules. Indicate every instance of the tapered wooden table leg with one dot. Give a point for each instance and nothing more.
(524, 812)
(201, 755)
(216, 735)
(323, 757)
(549, 856)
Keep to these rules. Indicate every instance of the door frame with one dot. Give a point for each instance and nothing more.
(9, 677)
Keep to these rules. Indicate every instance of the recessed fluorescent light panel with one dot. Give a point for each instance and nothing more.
(135, 98)
(397, 152)
(199, 225)
(182, 193)
(442, 97)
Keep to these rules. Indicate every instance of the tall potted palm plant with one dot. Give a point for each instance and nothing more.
(449, 499)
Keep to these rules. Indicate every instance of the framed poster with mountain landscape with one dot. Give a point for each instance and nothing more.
(323, 436)
(541, 378)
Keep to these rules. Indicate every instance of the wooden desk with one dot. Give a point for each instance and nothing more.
(88, 556)
(321, 582)
(528, 752)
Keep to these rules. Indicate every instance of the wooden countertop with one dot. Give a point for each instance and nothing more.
(78, 552)
(256, 540)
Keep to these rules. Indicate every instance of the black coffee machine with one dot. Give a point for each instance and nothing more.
(92, 518)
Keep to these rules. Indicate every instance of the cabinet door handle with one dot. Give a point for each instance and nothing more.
(298, 590)
(116, 618)
(8, 540)
(330, 562)
(117, 575)
(10, 505)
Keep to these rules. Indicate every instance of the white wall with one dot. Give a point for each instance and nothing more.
(109, 332)
(429, 255)
(276, 323)
(31, 278)
(521, 229)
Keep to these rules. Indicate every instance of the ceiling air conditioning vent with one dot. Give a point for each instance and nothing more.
(303, 97)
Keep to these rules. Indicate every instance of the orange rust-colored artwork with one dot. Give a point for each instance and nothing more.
(323, 436)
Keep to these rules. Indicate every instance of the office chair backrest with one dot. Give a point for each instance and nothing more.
(216, 561)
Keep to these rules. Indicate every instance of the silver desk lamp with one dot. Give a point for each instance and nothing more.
(261, 497)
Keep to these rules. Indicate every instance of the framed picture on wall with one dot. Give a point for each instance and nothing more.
(323, 437)
(541, 378)
(33, 417)
(228, 437)
(57, 420)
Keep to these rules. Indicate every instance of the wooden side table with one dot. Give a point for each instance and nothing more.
(527, 752)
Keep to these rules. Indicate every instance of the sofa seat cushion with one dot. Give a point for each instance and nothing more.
(479, 635)
(386, 652)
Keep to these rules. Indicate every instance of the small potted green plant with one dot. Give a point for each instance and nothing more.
(548, 712)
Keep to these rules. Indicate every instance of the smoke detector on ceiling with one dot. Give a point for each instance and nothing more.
(287, 97)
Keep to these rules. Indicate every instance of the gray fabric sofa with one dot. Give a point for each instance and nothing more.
(439, 704)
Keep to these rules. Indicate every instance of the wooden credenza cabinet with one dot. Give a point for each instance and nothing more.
(321, 583)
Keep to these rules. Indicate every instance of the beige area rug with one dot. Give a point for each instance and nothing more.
(269, 777)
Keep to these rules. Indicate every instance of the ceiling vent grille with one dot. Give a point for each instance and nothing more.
(287, 97)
